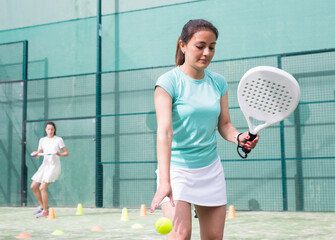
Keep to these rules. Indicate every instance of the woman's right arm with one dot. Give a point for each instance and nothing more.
(163, 106)
(39, 150)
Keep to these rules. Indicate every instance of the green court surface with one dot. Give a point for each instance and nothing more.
(247, 225)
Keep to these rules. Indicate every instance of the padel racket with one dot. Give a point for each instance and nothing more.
(42, 154)
(266, 95)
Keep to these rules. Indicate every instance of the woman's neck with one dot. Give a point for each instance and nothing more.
(192, 72)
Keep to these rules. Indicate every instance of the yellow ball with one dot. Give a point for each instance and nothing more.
(163, 225)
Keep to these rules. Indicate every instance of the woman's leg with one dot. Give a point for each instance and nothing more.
(44, 195)
(34, 187)
(212, 221)
(181, 217)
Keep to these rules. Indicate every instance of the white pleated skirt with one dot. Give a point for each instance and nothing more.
(49, 171)
(204, 186)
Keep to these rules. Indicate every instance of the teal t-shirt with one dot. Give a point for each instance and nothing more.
(195, 113)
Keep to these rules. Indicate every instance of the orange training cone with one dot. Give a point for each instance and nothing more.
(51, 214)
(143, 211)
(97, 228)
(23, 235)
(231, 212)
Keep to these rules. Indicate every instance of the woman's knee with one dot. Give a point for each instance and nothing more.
(180, 233)
(215, 235)
(43, 187)
(34, 186)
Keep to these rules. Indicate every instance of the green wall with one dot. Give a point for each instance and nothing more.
(65, 33)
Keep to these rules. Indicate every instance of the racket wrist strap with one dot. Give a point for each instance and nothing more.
(238, 146)
(238, 138)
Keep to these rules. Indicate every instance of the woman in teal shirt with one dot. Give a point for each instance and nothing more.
(191, 102)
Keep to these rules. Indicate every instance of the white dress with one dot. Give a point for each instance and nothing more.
(50, 169)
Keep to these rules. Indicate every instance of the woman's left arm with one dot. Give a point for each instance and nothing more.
(227, 129)
(64, 153)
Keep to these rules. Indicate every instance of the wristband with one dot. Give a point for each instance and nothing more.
(237, 135)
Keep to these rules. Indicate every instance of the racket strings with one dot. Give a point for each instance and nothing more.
(267, 96)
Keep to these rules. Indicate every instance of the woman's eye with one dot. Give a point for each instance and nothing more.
(200, 47)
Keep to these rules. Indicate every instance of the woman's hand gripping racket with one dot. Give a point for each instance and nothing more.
(266, 95)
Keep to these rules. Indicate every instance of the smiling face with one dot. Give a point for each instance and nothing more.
(50, 130)
(199, 50)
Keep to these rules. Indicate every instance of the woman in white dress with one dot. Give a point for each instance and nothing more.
(50, 169)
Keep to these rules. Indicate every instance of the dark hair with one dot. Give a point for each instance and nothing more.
(189, 29)
(51, 123)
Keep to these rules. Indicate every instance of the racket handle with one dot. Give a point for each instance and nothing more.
(252, 137)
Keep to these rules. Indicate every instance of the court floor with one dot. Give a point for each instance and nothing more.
(246, 225)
